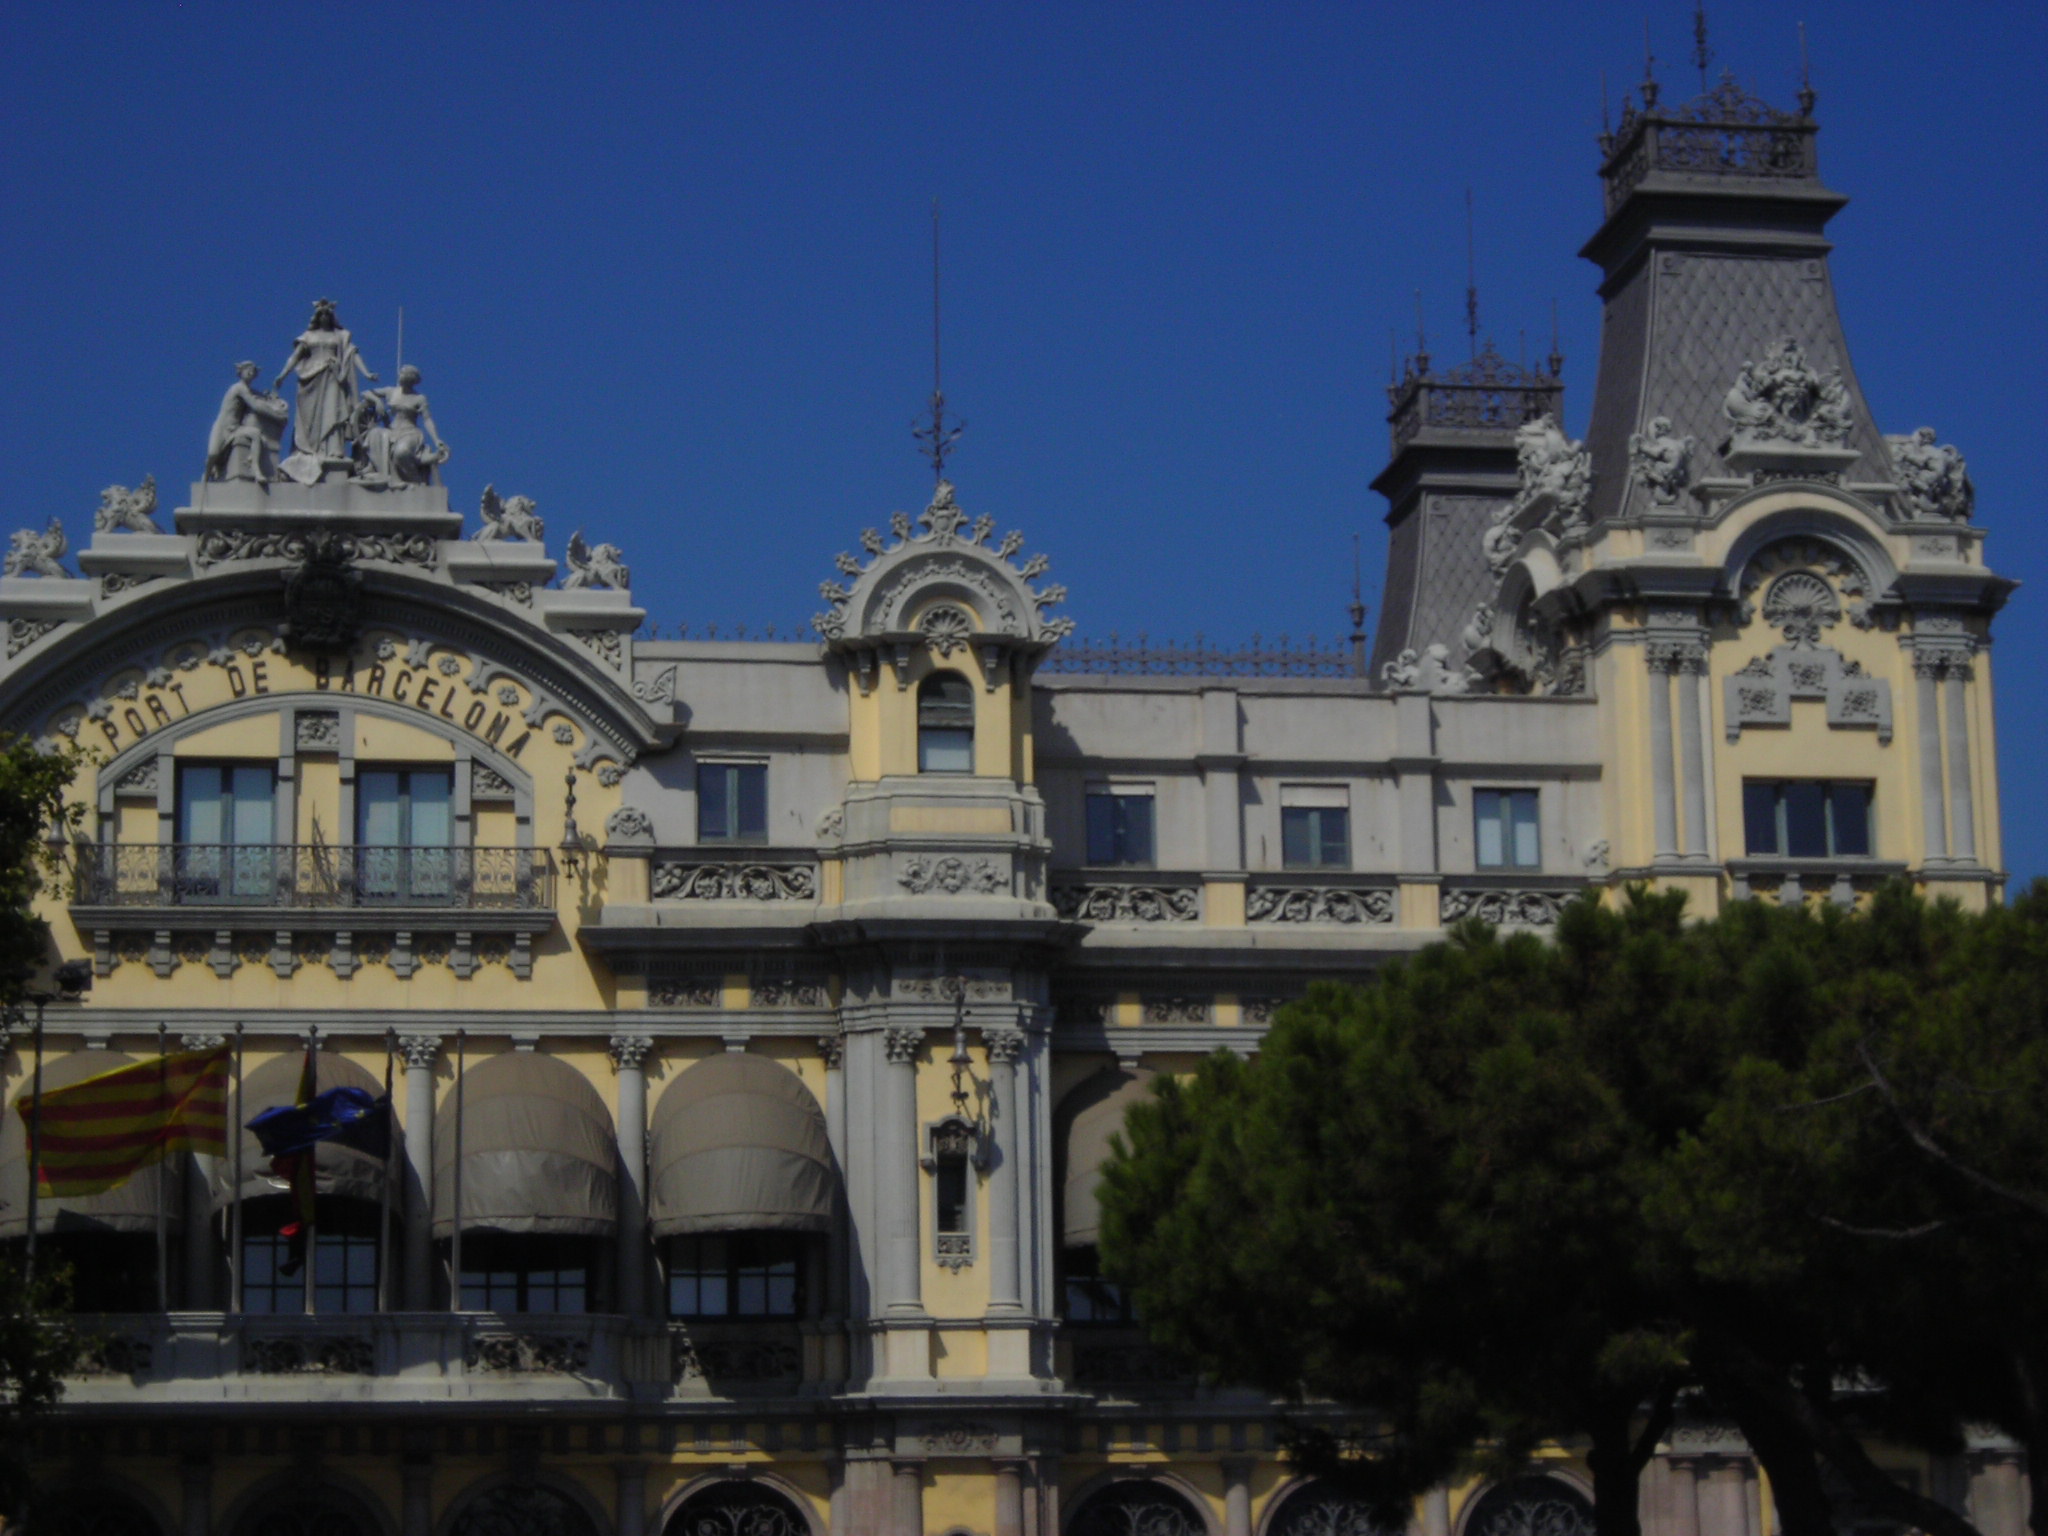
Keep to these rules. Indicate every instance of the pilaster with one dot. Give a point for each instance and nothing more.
(421, 1053)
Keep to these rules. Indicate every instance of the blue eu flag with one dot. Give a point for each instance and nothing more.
(350, 1117)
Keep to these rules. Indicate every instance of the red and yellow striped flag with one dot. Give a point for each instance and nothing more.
(99, 1133)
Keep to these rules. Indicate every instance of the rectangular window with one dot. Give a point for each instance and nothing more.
(736, 1274)
(227, 826)
(732, 802)
(344, 1257)
(1315, 826)
(1119, 824)
(1090, 1296)
(1806, 818)
(525, 1274)
(1504, 829)
(405, 825)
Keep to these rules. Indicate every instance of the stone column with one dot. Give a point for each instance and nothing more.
(1961, 800)
(1663, 792)
(196, 1478)
(1005, 1290)
(629, 1055)
(632, 1499)
(421, 1052)
(1720, 1489)
(906, 1503)
(1699, 836)
(416, 1495)
(1436, 1512)
(896, 1154)
(1681, 1494)
(1009, 1498)
(1927, 708)
(839, 1256)
(1237, 1497)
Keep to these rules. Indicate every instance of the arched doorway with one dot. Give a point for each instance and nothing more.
(737, 1509)
(1532, 1505)
(1139, 1507)
(308, 1510)
(92, 1512)
(1318, 1509)
(522, 1509)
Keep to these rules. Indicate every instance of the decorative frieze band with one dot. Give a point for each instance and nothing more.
(673, 880)
(1504, 908)
(1320, 905)
(1129, 903)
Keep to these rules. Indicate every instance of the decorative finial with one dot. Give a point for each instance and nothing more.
(1606, 123)
(1421, 339)
(1806, 95)
(1702, 55)
(1649, 71)
(1357, 609)
(1471, 282)
(1556, 348)
(937, 436)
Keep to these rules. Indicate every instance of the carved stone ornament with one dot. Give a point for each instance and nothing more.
(1783, 400)
(1802, 605)
(789, 992)
(1177, 1010)
(629, 827)
(1128, 903)
(511, 519)
(734, 882)
(1810, 555)
(684, 992)
(1934, 482)
(1516, 908)
(1555, 475)
(317, 730)
(1762, 693)
(139, 780)
(658, 689)
(594, 567)
(629, 1052)
(39, 554)
(508, 1353)
(307, 1356)
(219, 545)
(486, 783)
(831, 824)
(960, 1438)
(1318, 905)
(946, 628)
(1004, 1045)
(902, 1045)
(951, 875)
(1429, 671)
(23, 633)
(419, 1050)
(1661, 461)
(323, 598)
(124, 511)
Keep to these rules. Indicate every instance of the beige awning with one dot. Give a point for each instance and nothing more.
(1093, 1113)
(538, 1153)
(337, 1170)
(738, 1144)
(129, 1207)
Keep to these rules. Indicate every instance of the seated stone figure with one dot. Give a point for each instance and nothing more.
(397, 441)
(247, 431)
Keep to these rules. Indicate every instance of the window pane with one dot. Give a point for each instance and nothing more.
(1297, 826)
(433, 810)
(1491, 845)
(1101, 829)
(254, 795)
(1850, 805)
(752, 779)
(944, 749)
(1760, 817)
(1806, 826)
(1137, 829)
(1528, 852)
(952, 1194)
(713, 821)
(378, 809)
(200, 806)
(1333, 824)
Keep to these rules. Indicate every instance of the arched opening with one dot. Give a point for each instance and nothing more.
(537, 1184)
(945, 724)
(522, 1509)
(1138, 1507)
(737, 1509)
(1532, 1505)
(1318, 1509)
(91, 1512)
(1088, 1117)
(308, 1509)
(742, 1191)
(340, 1271)
(108, 1239)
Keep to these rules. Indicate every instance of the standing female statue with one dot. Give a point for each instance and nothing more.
(327, 363)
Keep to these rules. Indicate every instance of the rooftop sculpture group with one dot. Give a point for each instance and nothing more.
(1783, 400)
(378, 438)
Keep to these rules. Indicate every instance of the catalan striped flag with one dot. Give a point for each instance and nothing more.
(101, 1132)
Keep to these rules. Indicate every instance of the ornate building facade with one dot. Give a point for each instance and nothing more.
(757, 1013)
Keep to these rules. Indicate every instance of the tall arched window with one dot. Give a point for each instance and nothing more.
(1138, 1507)
(945, 724)
(1531, 1505)
(737, 1509)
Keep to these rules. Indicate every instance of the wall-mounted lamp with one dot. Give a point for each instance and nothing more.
(572, 837)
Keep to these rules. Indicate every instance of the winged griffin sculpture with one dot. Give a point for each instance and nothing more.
(38, 554)
(594, 566)
(512, 518)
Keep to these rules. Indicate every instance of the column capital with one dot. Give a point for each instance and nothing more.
(420, 1050)
(833, 1049)
(1004, 1044)
(902, 1045)
(201, 1041)
(629, 1052)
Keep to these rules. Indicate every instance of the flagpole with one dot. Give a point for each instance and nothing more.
(235, 1211)
(35, 1144)
(163, 1260)
(384, 1208)
(455, 1240)
(311, 1173)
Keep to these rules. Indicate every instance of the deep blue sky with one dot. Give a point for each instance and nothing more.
(666, 268)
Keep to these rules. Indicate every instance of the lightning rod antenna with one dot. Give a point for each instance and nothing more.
(1471, 282)
(401, 343)
(1806, 96)
(1421, 338)
(1357, 609)
(937, 436)
(1702, 55)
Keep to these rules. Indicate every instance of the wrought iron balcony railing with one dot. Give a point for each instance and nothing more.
(312, 876)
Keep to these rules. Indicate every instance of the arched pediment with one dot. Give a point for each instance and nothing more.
(1839, 526)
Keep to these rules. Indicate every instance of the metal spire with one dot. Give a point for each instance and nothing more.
(1806, 95)
(1471, 282)
(1649, 69)
(1357, 609)
(1702, 55)
(936, 435)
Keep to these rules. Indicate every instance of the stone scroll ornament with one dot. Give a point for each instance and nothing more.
(1783, 400)
(1933, 480)
(1661, 460)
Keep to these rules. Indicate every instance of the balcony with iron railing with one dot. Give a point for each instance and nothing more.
(312, 877)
